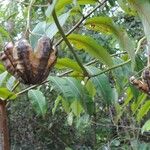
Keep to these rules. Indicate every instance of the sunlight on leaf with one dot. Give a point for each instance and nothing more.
(76, 107)
(3, 77)
(63, 63)
(146, 126)
(143, 111)
(63, 3)
(50, 8)
(5, 93)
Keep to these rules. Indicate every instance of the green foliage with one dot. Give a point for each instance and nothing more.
(61, 4)
(136, 104)
(57, 101)
(64, 63)
(11, 82)
(76, 108)
(102, 86)
(6, 94)
(38, 102)
(106, 25)
(50, 8)
(142, 8)
(75, 96)
(3, 77)
(46, 28)
(146, 126)
(143, 110)
(92, 47)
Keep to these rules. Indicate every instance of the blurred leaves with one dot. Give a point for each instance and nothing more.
(6, 94)
(38, 101)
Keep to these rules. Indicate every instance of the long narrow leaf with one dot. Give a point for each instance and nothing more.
(92, 47)
(106, 25)
(68, 63)
(102, 86)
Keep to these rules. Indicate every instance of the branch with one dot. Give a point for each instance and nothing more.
(68, 43)
(114, 67)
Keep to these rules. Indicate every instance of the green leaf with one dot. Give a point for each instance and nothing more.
(38, 102)
(67, 63)
(142, 8)
(106, 25)
(146, 126)
(68, 91)
(92, 47)
(49, 29)
(50, 8)
(128, 97)
(57, 101)
(77, 108)
(121, 74)
(38, 31)
(71, 89)
(91, 89)
(70, 118)
(126, 7)
(2, 68)
(143, 110)
(136, 104)
(4, 33)
(102, 86)
(62, 3)
(66, 105)
(6, 94)
(101, 24)
(10, 83)
(3, 77)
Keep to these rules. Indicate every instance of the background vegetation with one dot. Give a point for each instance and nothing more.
(87, 101)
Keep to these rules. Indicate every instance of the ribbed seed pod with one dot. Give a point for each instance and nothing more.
(28, 66)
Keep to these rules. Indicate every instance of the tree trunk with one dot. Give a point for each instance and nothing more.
(4, 134)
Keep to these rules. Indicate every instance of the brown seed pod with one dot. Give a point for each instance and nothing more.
(141, 85)
(28, 66)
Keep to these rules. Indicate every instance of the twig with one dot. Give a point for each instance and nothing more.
(15, 86)
(120, 126)
(68, 43)
(28, 19)
(114, 67)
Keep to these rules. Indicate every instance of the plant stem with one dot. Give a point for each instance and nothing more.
(114, 67)
(4, 132)
(28, 19)
(68, 43)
